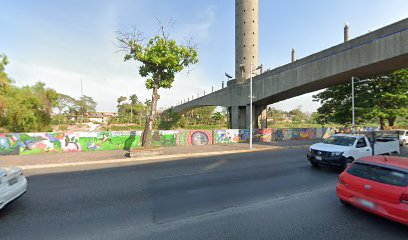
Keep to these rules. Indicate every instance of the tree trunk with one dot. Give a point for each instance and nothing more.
(147, 133)
(382, 124)
(391, 121)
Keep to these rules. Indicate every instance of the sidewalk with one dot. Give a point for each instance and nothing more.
(170, 152)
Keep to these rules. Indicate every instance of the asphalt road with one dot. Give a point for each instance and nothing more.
(262, 195)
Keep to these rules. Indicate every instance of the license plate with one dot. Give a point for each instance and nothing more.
(318, 158)
(12, 181)
(366, 203)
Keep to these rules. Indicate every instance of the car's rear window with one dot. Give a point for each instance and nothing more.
(379, 174)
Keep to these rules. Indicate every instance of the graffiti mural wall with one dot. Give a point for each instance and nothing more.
(227, 136)
(35, 143)
(195, 137)
(99, 141)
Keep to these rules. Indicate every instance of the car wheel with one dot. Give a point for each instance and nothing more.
(404, 142)
(344, 203)
(316, 165)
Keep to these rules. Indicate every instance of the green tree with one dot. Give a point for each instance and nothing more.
(22, 110)
(383, 97)
(315, 118)
(120, 106)
(64, 102)
(134, 99)
(4, 80)
(297, 115)
(48, 96)
(27, 108)
(86, 105)
(169, 120)
(390, 96)
(129, 112)
(202, 115)
(276, 115)
(336, 104)
(121, 99)
(218, 118)
(161, 58)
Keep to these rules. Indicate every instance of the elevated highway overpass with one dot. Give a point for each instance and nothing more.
(377, 52)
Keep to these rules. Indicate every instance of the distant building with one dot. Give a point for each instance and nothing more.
(101, 117)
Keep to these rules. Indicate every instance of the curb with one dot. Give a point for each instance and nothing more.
(159, 158)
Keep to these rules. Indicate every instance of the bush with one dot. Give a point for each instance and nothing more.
(122, 127)
(63, 128)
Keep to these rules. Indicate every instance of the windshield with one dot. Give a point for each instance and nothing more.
(340, 140)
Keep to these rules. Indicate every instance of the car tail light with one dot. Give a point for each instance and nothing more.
(341, 180)
(404, 197)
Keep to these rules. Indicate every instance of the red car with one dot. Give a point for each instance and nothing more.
(377, 184)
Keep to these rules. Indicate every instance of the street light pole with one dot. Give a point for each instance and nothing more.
(250, 102)
(352, 105)
(250, 108)
(352, 99)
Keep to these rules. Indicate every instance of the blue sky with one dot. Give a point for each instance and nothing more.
(62, 42)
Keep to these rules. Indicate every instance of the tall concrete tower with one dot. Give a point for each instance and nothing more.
(246, 38)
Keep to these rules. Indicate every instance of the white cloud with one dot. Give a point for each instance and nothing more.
(200, 29)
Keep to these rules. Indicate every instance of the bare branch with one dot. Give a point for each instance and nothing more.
(164, 29)
(124, 39)
(190, 43)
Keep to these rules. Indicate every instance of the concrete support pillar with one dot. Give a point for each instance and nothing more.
(261, 116)
(239, 117)
(242, 117)
(258, 116)
(229, 117)
(234, 117)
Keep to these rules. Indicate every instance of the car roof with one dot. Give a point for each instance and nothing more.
(401, 162)
(348, 135)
